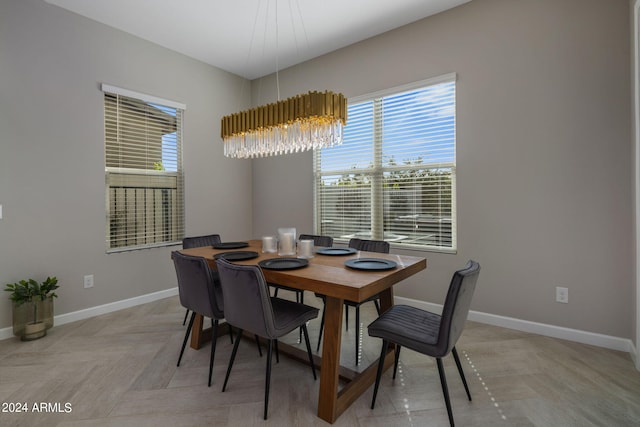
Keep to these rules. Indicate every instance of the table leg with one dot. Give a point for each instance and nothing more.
(386, 300)
(329, 373)
(331, 402)
(199, 335)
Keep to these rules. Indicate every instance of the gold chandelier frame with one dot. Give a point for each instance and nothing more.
(307, 121)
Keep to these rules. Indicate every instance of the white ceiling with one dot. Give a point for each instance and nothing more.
(240, 35)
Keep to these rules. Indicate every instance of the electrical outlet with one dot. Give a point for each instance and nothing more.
(562, 295)
(88, 281)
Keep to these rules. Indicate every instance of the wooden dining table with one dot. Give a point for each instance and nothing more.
(328, 275)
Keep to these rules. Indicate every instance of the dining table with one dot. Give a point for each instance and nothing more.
(339, 275)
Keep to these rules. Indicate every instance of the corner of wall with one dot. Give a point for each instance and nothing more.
(635, 122)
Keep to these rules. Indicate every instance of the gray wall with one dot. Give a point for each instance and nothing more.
(52, 152)
(544, 152)
(635, 114)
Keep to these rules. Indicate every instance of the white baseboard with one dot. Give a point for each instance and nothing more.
(599, 340)
(102, 309)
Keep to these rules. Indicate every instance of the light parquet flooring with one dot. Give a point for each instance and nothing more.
(119, 369)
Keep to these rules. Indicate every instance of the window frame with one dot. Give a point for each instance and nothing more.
(379, 169)
(115, 174)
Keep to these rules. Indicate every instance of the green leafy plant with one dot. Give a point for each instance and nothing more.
(30, 290)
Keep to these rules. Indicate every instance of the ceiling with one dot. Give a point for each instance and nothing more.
(242, 37)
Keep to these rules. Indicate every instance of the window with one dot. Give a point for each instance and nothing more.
(393, 178)
(143, 168)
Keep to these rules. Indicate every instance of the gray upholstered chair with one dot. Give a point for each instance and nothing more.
(361, 245)
(199, 293)
(370, 245)
(198, 242)
(323, 241)
(249, 307)
(429, 333)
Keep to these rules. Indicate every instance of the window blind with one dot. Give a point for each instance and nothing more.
(143, 171)
(393, 177)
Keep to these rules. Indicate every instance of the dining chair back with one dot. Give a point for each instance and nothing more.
(456, 307)
(200, 294)
(323, 241)
(370, 245)
(429, 333)
(198, 242)
(249, 307)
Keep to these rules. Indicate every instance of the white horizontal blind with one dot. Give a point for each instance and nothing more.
(393, 178)
(144, 177)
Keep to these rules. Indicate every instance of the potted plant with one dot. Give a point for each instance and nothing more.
(32, 307)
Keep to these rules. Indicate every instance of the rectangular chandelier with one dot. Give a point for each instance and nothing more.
(303, 122)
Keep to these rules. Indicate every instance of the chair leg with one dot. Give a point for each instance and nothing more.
(258, 343)
(445, 390)
(375, 301)
(346, 317)
(267, 381)
(459, 365)
(395, 364)
(306, 340)
(233, 356)
(383, 352)
(301, 297)
(321, 329)
(275, 292)
(357, 332)
(230, 332)
(186, 314)
(214, 340)
(186, 336)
